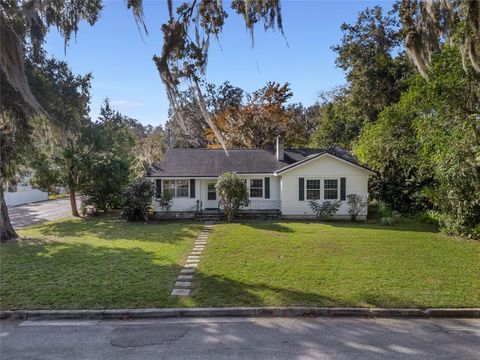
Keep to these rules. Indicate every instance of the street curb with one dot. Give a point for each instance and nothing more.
(238, 312)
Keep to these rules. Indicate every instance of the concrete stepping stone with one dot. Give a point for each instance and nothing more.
(180, 292)
(182, 287)
(187, 271)
(185, 277)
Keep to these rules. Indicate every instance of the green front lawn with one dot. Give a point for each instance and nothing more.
(100, 263)
(338, 264)
(107, 263)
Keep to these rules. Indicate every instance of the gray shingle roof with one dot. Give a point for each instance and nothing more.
(180, 162)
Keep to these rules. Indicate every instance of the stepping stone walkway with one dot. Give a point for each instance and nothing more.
(183, 284)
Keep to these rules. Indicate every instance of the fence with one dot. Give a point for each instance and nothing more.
(25, 197)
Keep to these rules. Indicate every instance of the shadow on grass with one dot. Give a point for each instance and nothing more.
(59, 275)
(63, 275)
(281, 226)
(219, 291)
(268, 225)
(113, 228)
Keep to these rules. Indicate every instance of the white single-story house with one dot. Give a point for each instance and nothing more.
(279, 180)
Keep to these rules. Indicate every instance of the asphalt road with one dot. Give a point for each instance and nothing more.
(36, 213)
(242, 338)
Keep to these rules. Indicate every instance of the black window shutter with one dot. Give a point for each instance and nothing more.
(301, 189)
(192, 188)
(343, 188)
(158, 188)
(267, 188)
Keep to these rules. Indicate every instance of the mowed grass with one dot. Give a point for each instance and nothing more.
(108, 263)
(99, 263)
(337, 264)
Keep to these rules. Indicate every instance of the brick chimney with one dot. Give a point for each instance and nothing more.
(280, 148)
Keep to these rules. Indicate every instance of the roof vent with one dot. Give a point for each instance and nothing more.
(280, 148)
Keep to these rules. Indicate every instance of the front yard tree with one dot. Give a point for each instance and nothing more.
(65, 97)
(232, 190)
(24, 25)
(109, 164)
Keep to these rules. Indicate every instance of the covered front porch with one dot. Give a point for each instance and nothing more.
(198, 196)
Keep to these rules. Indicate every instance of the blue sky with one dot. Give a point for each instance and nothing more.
(123, 69)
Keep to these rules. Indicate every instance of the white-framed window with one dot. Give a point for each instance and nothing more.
(211, 192)
(176, 188)
(330, 189)
(313, 189)
(169, 187)
(256, 188)
(182, 188)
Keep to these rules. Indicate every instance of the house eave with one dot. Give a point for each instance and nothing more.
(171, 176)
(317, 156)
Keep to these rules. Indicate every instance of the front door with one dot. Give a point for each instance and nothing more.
(212, 202)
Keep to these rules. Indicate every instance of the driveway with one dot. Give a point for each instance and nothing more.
(36, 213)
(242, 338)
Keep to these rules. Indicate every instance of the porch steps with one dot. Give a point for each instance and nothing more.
(209, 216)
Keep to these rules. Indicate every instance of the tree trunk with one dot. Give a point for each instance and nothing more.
(7, 233)
(73, 201)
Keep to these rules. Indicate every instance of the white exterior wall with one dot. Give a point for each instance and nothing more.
(183, 203)
(324, 167)
(284, 188)
(274, 202)
(190, 204)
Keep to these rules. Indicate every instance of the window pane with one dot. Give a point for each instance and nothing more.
(169, 184)
(313, 189)
(182, 188)
(256, 183)
(256, 188)
(256, 192)
(169, 187)
(211, 193)
(313, 194)
(313, 184)
(331, 184)
(169, 191)
(331, 194)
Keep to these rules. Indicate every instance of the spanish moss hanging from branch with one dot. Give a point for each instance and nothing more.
(427, 25)
(187, 39)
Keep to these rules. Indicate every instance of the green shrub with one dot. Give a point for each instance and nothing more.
(138, 200)
(455, 225)
(165, 201)
(427, 217)
(387, 215)
(356, 204)
(233, 193)
(325, 209)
